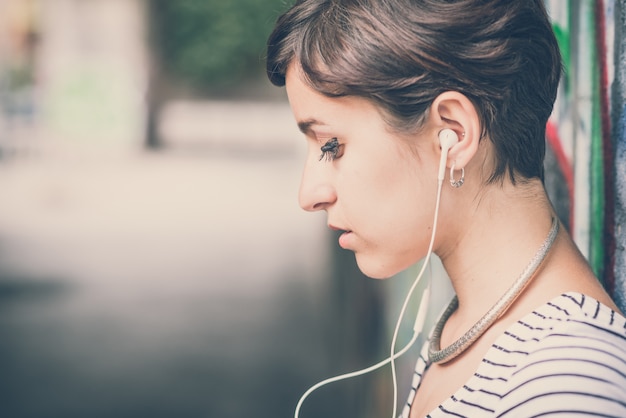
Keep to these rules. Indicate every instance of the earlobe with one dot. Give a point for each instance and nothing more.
(453, 110)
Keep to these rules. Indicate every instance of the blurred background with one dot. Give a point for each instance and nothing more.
(153, 257)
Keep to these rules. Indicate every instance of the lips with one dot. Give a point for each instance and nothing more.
(345, 238)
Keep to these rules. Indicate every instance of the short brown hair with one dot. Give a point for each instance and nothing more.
(401, 54)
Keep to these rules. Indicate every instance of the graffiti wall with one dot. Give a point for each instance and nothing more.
(584, 177)
(618, 133)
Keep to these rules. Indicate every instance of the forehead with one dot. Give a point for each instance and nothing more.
(304, 100)
(311, 108)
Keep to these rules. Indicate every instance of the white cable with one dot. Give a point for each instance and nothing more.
(408, 297)
(417, 329)
(353, 374)
(446, 144)
(417, 326)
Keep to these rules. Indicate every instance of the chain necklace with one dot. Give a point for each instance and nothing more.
(438, 355)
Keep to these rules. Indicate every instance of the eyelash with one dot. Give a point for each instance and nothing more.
(331, 150)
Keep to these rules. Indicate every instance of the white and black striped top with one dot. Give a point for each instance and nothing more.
(566, 358)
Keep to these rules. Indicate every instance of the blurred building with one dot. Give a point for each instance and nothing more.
(74, 74)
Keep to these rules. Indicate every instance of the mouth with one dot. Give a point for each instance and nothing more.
(336, 228)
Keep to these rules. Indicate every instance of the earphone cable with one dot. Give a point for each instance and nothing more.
(417, 326)
(352, 374)
(423, 306)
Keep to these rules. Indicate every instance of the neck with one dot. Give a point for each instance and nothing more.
(510, 223)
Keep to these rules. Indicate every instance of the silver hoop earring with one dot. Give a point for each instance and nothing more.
(456, 183)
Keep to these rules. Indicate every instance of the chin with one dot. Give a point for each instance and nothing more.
(375, 269)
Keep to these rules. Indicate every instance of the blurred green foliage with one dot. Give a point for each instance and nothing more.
(212, 45)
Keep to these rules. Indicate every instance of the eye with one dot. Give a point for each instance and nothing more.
(331, 150)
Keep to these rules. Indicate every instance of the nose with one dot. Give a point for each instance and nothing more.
(317, 191)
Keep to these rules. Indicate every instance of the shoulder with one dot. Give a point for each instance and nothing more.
(574, 362)
(577, 321)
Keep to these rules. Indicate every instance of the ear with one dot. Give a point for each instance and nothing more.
(455, 111)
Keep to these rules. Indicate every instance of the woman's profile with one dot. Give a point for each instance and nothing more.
(425, 127)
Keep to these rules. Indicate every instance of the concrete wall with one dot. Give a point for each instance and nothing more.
(93, 72)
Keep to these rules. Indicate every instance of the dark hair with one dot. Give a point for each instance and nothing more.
(401, 54)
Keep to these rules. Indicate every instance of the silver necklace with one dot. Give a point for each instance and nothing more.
(438, 355)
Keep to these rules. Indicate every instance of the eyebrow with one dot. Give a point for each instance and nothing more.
(305, 126)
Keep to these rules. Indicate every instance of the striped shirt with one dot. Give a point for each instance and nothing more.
(566, 358)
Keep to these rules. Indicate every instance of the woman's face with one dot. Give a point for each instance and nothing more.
(377, 189)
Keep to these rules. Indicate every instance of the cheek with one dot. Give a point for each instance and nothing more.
(404, 210)
(393, 206)
(394, 222)
(392, 189)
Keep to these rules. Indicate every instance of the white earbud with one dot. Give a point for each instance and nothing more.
(447, 139)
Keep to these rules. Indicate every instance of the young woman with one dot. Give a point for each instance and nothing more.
(386, 92)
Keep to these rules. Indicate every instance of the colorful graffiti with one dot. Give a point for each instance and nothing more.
(581, 166)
